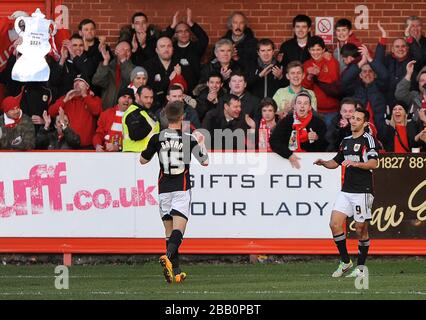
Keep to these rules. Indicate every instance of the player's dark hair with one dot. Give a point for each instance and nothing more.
(174, 111)
(84, 22)
(349, 50)
(302, 18)
(139, 14)
(267, 101)
(265, 42)
(365, 112)
(343, 23)
(315, 40)
(139, 91)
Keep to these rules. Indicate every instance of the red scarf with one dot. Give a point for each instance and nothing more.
(11, 123)
(424, 103)
(299, 125)
(264, 136)
(115, 134)
(402, 132)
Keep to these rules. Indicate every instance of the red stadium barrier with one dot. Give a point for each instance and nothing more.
(69, 246)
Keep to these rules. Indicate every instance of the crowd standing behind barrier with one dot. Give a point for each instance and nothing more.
(226, 93)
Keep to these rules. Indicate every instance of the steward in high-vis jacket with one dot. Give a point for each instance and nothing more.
(139, 123)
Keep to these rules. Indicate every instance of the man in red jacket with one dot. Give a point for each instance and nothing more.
(109, 134)
(82, 108)
(323, 78)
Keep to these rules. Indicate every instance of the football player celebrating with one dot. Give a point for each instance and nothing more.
(174, 149)
(358, 154)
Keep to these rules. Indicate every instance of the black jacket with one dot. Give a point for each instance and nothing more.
(159, 78)
(282, 132)
(246, 47)
(335, 134)
(142, 55)
(266, 86)
(421, 45)
(137, 125)
(191, 55)
(388, 133)
(215, 119)
(293, 52)
(373, 93)
(249, 105)
(397, 69)
(214, 66)
(204, 105)
(419, 126)
(62, 77)
(49, 140)
(95, 57)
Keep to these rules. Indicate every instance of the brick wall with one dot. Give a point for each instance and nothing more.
(268, 18)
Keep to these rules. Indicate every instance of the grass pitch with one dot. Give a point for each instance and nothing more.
(389, 279)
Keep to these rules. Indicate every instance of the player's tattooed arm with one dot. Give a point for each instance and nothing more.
(330, 164)
(369, 165)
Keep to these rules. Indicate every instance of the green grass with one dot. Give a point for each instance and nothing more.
(389, 279)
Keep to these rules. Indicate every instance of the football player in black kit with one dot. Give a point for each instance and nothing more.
(358, 153)
(174, 149)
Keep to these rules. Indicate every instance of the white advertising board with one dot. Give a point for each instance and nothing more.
(239, 195)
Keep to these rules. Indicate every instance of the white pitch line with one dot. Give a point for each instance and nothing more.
(22, 293)
(41, 277)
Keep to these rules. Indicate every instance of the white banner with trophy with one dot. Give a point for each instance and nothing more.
(35, 32)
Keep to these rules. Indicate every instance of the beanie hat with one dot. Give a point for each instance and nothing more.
(9, 103)
(83, 78)
(180, 81)
(126, 91)
(137, 71)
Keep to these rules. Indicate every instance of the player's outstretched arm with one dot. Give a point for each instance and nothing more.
(199, 149)
(330, 164)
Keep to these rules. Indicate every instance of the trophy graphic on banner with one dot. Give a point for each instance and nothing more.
(35, 32)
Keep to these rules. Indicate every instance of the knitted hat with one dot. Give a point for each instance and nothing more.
(180, 81)
(83, 78)
(138, 71)
(9, 103)
(126, 91)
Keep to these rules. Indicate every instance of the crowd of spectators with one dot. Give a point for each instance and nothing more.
(298, 98)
